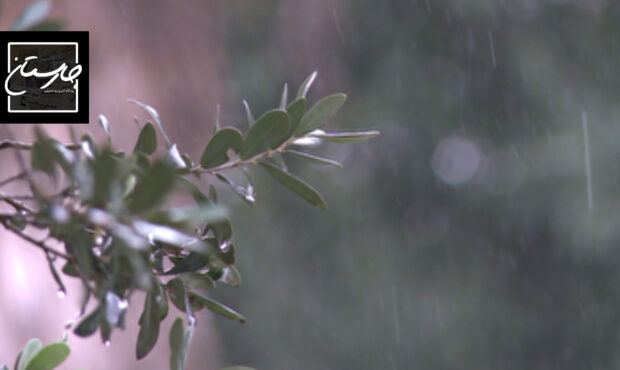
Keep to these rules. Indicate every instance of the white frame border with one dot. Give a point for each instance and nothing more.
(77, 95)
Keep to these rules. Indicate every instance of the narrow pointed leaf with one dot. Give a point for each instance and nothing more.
(216, 152)
(149, 327)
(231, 276)
(179, 341)
(218, 307)
(49, 357)
(347, 137)
(295, 185)
(314, 158)
(30, 349)
(284, 98)
(248, 114)
(318, 115)
(89, 324)
(305, 86)
(267, 133)
(147, 140)
(196, 280)
(192, 262)
(295, 111)
(176, 292)
(153, 113)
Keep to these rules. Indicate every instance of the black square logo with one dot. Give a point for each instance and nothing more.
(45, 77)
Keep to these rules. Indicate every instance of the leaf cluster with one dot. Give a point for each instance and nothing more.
(117, 232)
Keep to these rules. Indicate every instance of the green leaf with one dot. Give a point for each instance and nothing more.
(162, 300)
(192, 262)
(318, 115)
(248, 114)
(70, 270)
(30, 349)
(79, 245)
(305, 86)
(295, 185)
(313, 158)
(218, 307)
(284, 98)
(18, 221)
(246, 193)
(48, 152)
(195, 280)
(147, 140)
(153, 113)
(49, 357)
(97, 177)
(267, 133)
(212, 194)
(176, 292)
(179, 342)
(216, 152)
(277, 159)
(90, 324)
(152, 189)
(295, 111)
(222, 230)
(231, 276)
(149, 326)
(34, 14)
(174, 158)
(347, 137)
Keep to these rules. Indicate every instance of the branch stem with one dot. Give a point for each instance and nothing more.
(38, 243)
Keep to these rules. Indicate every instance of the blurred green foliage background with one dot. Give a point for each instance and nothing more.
(463, 237)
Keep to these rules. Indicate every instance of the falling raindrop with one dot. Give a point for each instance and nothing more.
(492, 43)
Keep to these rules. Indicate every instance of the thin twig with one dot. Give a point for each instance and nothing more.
(242, 162)
(16, 177)
(14, 203)
(20, 145)
(37, 243)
